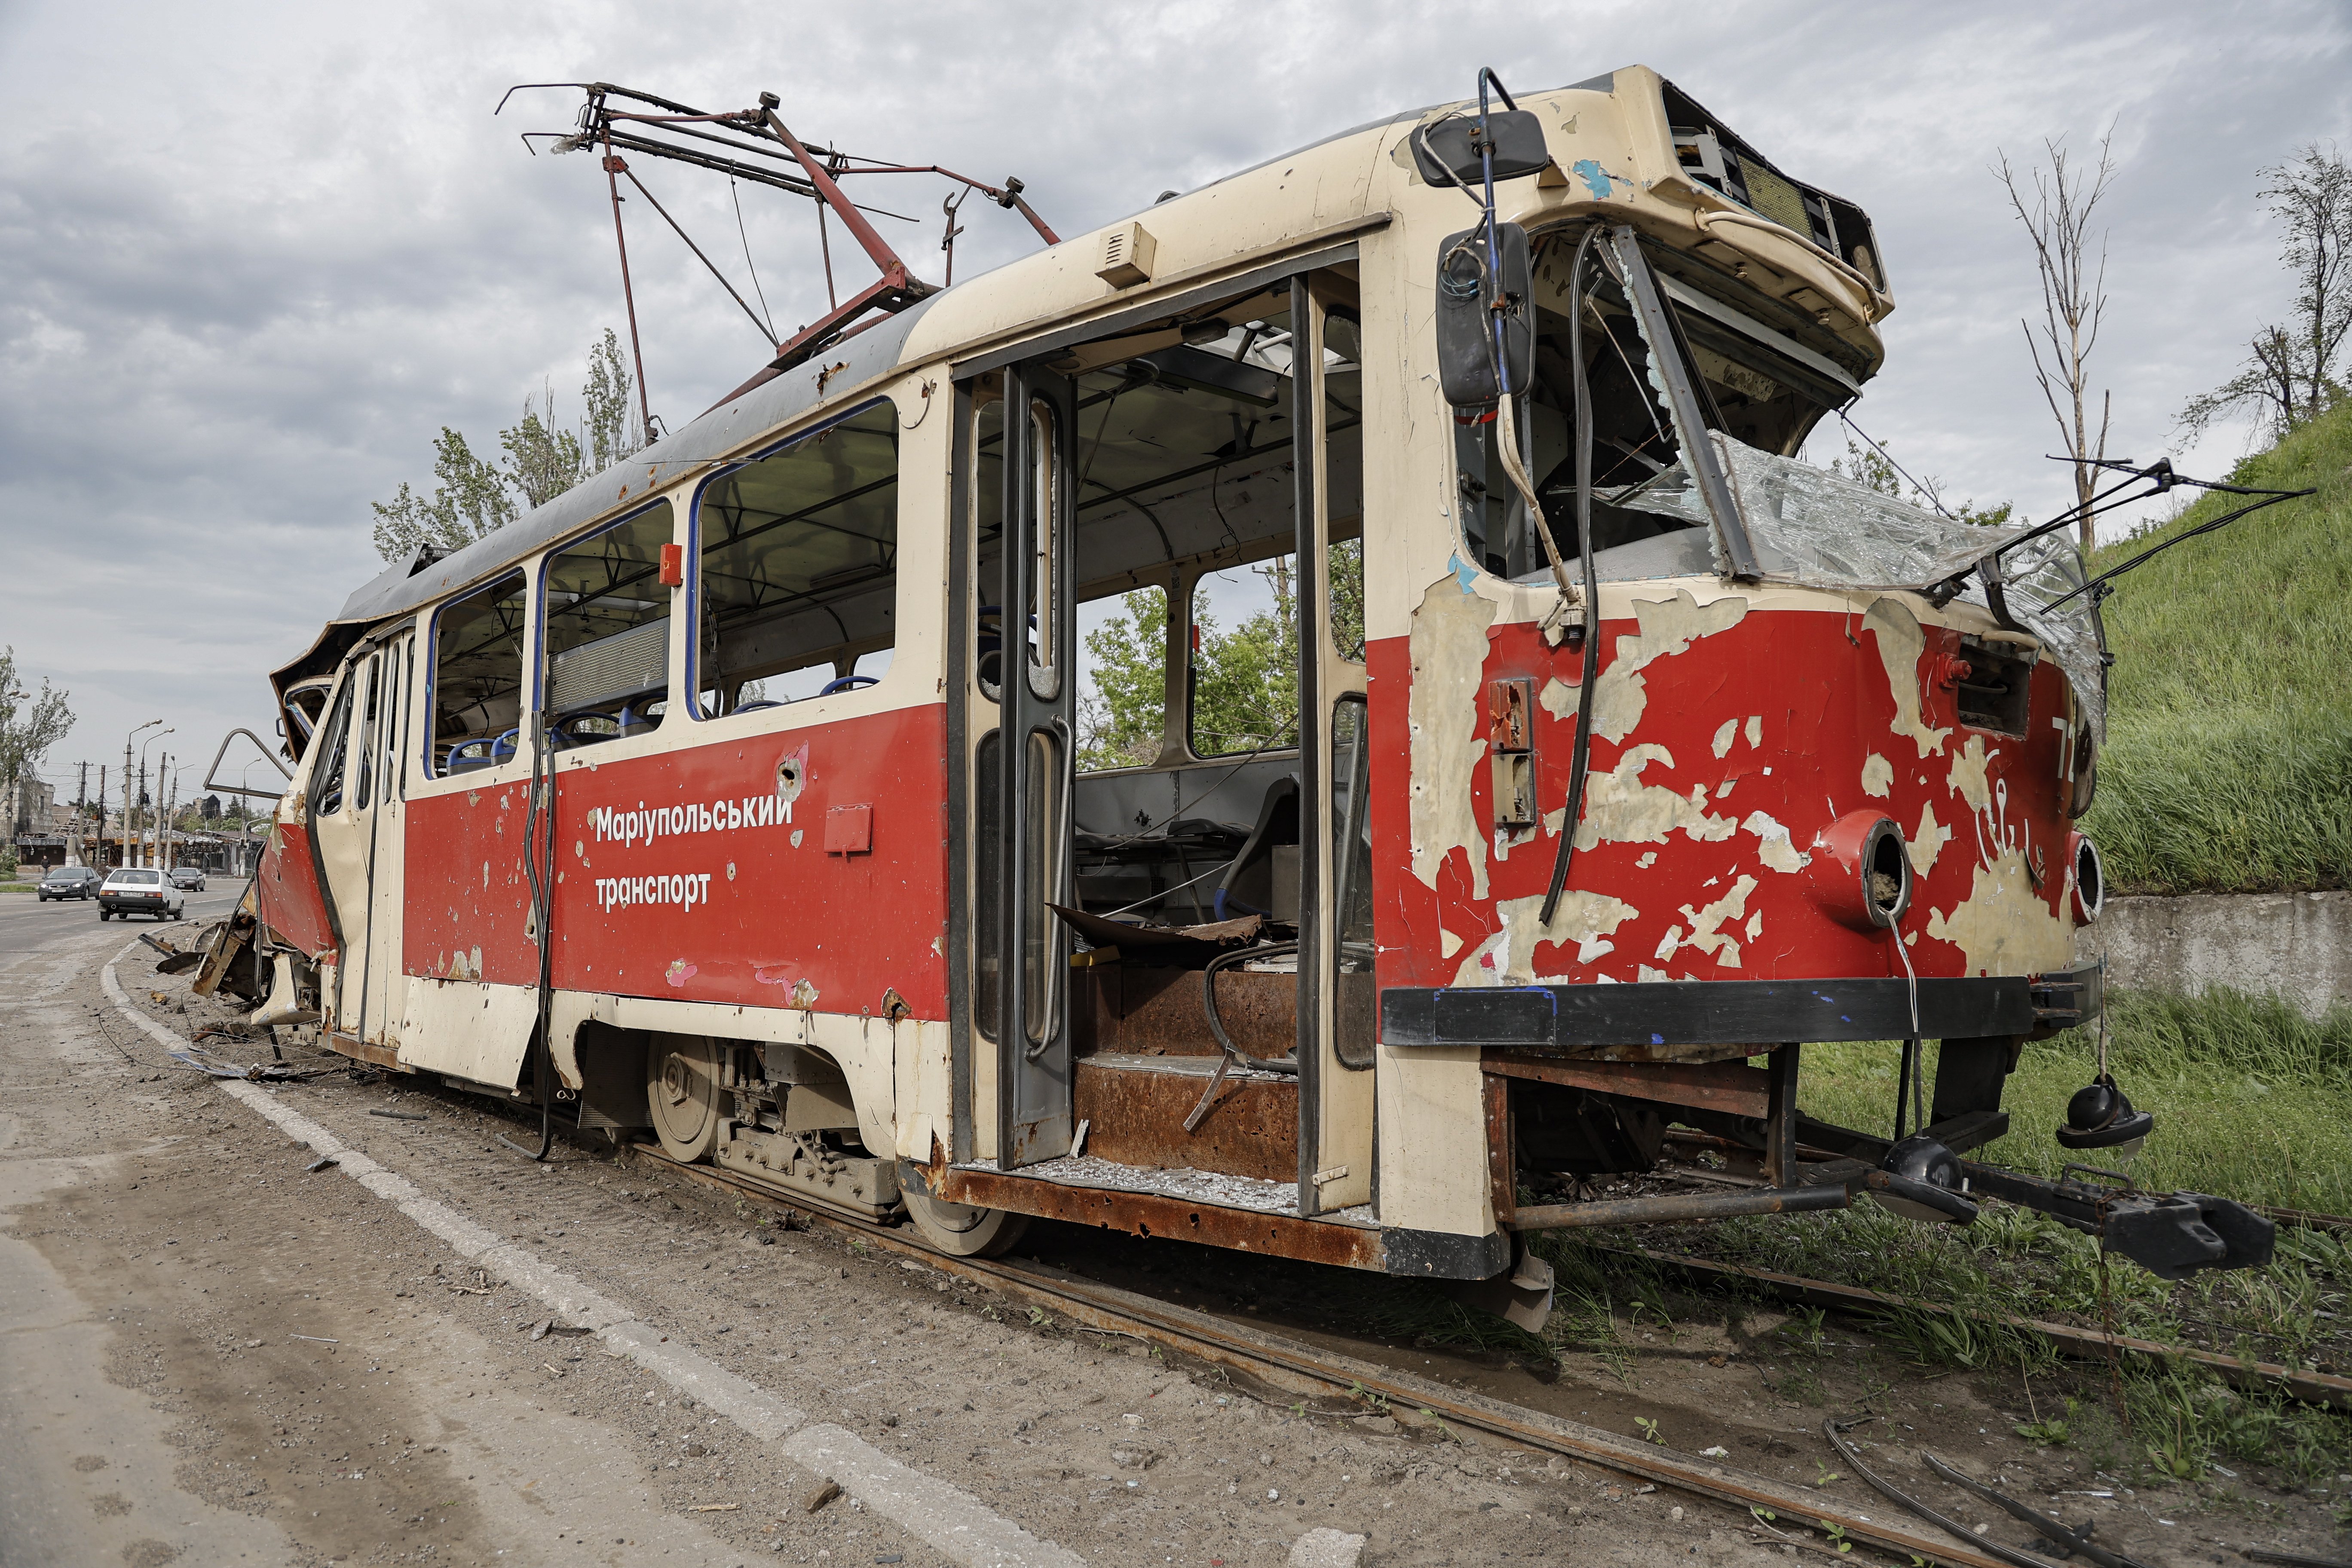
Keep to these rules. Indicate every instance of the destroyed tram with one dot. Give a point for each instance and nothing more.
(733, 800)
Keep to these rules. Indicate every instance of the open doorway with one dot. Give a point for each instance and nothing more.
(1163, 645)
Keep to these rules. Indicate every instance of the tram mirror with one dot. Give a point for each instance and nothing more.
(1470, 295)
(1447, 153)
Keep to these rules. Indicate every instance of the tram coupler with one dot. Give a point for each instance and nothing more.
(2171, 1235)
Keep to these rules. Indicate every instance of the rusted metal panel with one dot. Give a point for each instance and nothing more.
(375, 1053)
(1136, 1117)
(1147, 1213)
(1675, 1207)
(1502, 1175)
(1730, 1085)
(1159, 1011)
(287, 892)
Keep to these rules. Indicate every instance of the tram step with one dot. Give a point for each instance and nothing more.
(1131, 1010)
(1135, 1106)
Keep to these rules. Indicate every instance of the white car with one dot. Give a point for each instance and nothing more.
(132, 890)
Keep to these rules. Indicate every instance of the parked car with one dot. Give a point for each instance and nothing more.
(140, 891)
(69, 882)
(188, 878)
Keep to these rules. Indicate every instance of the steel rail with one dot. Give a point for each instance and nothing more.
(2312, 1388)
(1297, 1368)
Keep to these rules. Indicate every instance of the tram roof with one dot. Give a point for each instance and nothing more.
(724, 431)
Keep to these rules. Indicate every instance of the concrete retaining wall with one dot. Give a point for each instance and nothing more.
(2297, 944)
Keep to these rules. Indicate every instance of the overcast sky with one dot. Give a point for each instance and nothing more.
(253, 256)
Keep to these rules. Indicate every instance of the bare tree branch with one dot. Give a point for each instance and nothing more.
(2289, 375)
(2074, 280)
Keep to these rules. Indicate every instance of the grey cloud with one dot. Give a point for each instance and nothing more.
(255, 258)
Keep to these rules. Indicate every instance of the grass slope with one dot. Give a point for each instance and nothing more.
(2228, 760)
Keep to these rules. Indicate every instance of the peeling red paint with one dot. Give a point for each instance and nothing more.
(1808, 705)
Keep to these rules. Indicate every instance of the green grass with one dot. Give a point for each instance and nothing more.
(2228, 759)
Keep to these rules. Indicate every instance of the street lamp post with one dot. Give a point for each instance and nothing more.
(143, 761)
(128, 797)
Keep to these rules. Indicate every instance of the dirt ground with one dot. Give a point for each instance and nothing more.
(210, 1354)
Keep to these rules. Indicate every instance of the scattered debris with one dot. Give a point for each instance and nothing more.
(398, 1115)
(539, 1330)
(823, 1493)
(2056, 1537)
(314, 1339)
(714, 1508)
(320, 1163)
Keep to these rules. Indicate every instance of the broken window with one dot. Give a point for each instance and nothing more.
(1813, 527)
(608, 631)
(1752, 378)
(798, 569)
(477, 669)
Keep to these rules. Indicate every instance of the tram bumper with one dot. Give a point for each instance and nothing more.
(1762, 1012)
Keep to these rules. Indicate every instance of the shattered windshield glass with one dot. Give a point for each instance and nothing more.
(1811, 527)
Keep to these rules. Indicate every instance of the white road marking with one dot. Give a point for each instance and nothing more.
(955, 1522)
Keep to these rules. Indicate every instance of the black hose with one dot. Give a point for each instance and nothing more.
(1217, 1024)
(1581, 763)
(541, 813)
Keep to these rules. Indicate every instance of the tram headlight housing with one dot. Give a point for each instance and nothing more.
(2086, 877)
(1861, 870)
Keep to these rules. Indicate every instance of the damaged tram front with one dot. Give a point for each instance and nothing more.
(749, 799)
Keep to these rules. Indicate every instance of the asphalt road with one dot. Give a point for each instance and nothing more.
(25, 922)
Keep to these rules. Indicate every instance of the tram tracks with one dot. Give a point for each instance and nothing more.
(1342, 1384)
(1292, 1367)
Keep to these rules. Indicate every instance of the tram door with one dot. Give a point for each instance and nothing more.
(1022, 768)
(354, 819)
(392, 735)
(1337, 1008)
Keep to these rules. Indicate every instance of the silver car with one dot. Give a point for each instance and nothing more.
(136, 890)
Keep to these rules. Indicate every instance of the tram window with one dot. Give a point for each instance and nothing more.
(1750, 392)
(799, 568)
(1244, 666)
(1123, 679)
(608, 631)
(477, 677)
(326, 789)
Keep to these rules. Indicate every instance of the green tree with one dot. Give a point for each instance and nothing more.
(1121, 719)
(470, 499)
(2290, 375)
(613, 429)
(1246, 680)
(473, 497)
(29, 726)
(1875, 470)
(542, 459)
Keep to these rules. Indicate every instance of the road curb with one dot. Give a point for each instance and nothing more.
(952, 1521)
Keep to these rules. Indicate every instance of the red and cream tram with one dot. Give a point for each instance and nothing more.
(735, 796)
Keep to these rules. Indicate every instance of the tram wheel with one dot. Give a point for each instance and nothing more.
(683, 1094)
(961, 1231)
